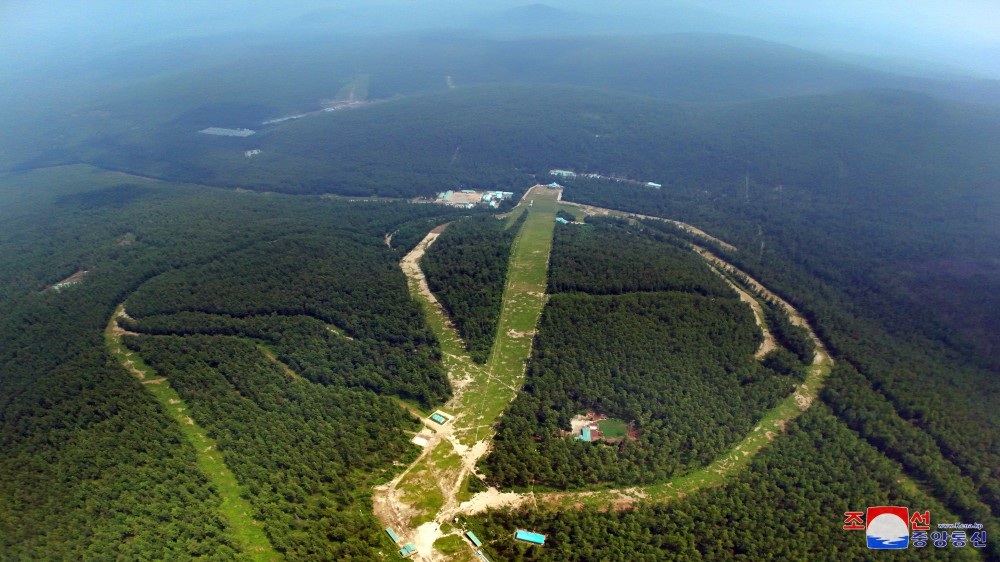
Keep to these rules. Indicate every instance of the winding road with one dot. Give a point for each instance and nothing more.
(422, 501)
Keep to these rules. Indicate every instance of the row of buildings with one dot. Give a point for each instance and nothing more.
(571, 174)
(469, 198)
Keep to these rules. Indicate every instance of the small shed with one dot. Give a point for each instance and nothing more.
(529, 536)
(561, 220)
(653, 184)
(392, 534)
(475, 540)
(407, 550)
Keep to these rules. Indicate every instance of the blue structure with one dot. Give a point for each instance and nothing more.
(438, 418)
(475, 540)
(392, 534)
(407, 550)
(561, 220)
(584, 435)
(528, 536)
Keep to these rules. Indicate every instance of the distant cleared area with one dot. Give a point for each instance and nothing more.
(469, 198)
(222, 132)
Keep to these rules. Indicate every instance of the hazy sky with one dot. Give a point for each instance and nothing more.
(957, 33)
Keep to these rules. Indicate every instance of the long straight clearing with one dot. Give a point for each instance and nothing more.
(237, 511)
(425, 495)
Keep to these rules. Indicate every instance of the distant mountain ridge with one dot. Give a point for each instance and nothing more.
(539, 17)
(283, 80)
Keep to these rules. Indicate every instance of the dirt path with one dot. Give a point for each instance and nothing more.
(796, 318)
(602, 212)
(426, 495)
(411, 265)
(273, 358)
(770, 343)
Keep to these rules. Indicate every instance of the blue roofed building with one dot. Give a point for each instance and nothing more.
(528, 536)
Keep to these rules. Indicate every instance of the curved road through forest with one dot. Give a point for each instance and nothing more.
(420, 502)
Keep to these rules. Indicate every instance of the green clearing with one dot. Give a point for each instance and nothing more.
(613, 428)
(451, 544)
(236, 510)
(487, 389)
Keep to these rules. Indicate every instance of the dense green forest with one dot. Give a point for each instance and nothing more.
(674, 360)
(349, 281)
(930, 389)
(91, 114)
(858, 196)
(306, 454)
(93, 468)
(788, 506)
(466, 268)
(610, 258)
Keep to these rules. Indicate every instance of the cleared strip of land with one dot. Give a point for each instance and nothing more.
(425, 495)
(771, 424)
(600, 211)
(237, 511)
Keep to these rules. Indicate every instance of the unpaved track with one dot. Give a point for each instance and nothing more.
(770, 343)
(411, 265)
(425, 495)
(390, 499)
(602, 212)
(771, 425)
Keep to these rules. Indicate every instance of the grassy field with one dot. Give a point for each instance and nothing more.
(237, 511)
(613, 428)
(523, 300)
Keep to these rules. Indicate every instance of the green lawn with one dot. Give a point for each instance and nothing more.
(613, 428)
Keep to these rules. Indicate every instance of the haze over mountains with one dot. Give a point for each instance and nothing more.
(690, 109)
(846, 150)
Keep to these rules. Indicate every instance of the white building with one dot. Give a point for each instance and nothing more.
(563, 173)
